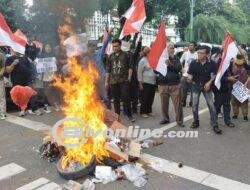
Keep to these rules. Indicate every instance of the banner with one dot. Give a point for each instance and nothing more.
(46, 65)
(240, 92)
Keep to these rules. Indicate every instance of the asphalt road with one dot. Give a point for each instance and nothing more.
(223, 160)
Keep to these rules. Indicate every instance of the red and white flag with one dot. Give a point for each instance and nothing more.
(9, 39)
(230, 51)
(136, 16)
(159, 52)
(20, 34)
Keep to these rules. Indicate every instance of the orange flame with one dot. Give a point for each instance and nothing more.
(81, 102)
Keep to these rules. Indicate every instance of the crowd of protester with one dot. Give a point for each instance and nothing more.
(126, 77)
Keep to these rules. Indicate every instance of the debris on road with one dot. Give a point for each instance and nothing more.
(88, 185)
(123, 160)
(180, 165)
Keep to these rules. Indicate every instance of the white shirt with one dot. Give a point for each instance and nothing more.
(188, 57)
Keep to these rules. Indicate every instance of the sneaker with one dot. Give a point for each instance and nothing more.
(230, 125)
(217, 130)
(220, 115)
(180, 125)
(245, 118)
(3, 116)
(235, 117)
(37, 112)
(151, 114)
(57, 107)
(164, 121)
(144, 115)
(131, 119)
(195, 125)
(22, 113)
(47, 109)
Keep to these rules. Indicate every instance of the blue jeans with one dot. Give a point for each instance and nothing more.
(209, 100)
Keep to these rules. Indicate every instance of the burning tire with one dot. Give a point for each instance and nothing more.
(81, 172)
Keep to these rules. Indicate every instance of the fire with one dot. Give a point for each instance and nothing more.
(82, 102)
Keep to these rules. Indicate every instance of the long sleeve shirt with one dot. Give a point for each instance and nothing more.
(145, 73)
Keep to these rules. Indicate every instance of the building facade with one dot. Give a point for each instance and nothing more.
(98, 23)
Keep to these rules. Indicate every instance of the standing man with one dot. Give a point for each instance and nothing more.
(2, 89)
(186, 59)
(170, 87)
(202, 74)
(118, 78)
(222, 96)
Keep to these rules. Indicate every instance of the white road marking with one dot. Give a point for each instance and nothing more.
(174, 124)
(50, 186)
(222, 183)
(198, 176)
(10, 170)
(192, 174)
(189, 117)
(34, 125)
(35, 184)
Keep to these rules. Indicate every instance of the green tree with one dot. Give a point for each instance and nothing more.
(209, 28)
(244, 5)
(13, 12)
(181, 9)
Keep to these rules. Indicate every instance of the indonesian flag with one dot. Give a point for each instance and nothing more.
(159, 53)
(230, 51)
(135, 15)
(105, 35)
(9, 39)
(20, 34)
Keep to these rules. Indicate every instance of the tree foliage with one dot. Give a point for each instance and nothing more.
(13, 12)
(212, 28)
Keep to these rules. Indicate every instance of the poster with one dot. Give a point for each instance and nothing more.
(240, 92)
(46, 65)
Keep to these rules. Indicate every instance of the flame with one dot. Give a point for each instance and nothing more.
(81, 102)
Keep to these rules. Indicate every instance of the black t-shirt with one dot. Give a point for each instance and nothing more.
(202, 73)
(22, 73)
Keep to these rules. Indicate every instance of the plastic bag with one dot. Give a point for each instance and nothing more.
(147, 143)
(21, 95)
(88, 185)
(158, 166)
(140, 182)
(72, 185)
(132, 172)
(105, 174)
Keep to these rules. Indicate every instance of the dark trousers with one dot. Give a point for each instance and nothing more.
(210, 103)
(52, 94)
(38, 100)
(134, 92)
(186, 86)
(223, 99)
(148, 95)
(121, 91)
